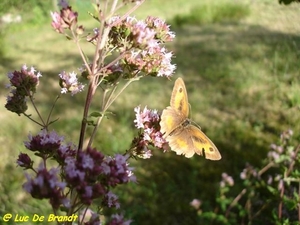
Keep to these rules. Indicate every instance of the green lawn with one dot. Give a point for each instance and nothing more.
(242, 78)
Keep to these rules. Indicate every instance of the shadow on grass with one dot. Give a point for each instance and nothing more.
(238, 78)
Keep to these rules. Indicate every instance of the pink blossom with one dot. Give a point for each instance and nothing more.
(196, 203)
(226, 180)
(69, 83)
(147, 120)
(117, 219)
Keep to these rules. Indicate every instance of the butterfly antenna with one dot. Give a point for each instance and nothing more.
(190, 107)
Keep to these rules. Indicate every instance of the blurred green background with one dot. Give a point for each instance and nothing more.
(240, 63)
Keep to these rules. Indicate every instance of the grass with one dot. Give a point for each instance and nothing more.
(218, 12)
(242, 78)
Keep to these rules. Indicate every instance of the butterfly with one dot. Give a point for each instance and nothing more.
(184, 137)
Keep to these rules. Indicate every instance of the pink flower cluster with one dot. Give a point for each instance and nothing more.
(69, 83)
(47, 185)
(117, 219)
(66, 19)
(145, 51)
(148, 120)
(23, 84)
(45, 143)
(141, 45)
(89, 173)
(226, 180)
(278, 152)
(248, 172)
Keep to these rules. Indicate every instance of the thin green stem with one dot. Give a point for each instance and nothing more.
(88, 101)
(98, 121)
(51, 110)
(235, 201)
(106, 103)
(83, 215)
(38, 113)
(28, 116)
(268, 166)
(118, 94)
(84, 58)
(129, 11)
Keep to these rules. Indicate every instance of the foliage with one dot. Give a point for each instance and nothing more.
(19, 6)
(213, 13)
(82, 177)
(243, 85)
(269, 195)
(287, 2)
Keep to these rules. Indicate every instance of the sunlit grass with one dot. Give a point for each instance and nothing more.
(218, 12)
(242, 79)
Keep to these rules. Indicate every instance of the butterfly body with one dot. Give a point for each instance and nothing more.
(184, 137)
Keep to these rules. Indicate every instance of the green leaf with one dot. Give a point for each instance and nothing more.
(95, 114)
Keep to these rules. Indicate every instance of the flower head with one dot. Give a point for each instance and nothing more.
(141, 43)
(46, 143)
(24, 161)
(91, 174)
(147, 120)
(66, 19)
(226, 180)
(286, 135)
(46, 185)
(196, 203)
(23, 84)
(69, 83)
(117, 219)
(248, 171)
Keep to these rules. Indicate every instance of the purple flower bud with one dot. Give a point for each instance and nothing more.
(46, 143)
(24, 161)
(22, 84)
(46, 185)
(111, 200)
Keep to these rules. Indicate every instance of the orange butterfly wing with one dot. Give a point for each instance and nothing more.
(190, 140)
(175, 114)
(179, 99)
(183, 137)
(170, 121)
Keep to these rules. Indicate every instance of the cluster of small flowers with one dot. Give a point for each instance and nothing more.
(226, 180)
(90, 173)
(69, 83)
(286, 135)
(248, 171)
(66, 19)
(141, 41)
(45, 143)
(275, 152)
(139, 34)
(196, 203)
(148, 54)
(148, 120)
(155, 61)
(278, 152)
(22, 84)
(47, 185)
(117, 219)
